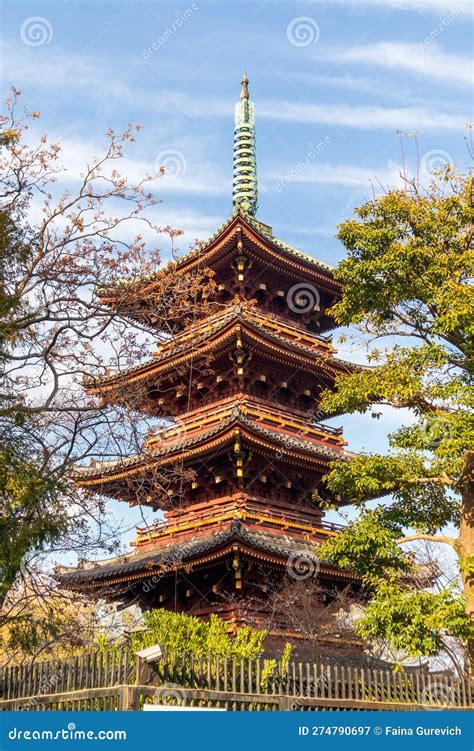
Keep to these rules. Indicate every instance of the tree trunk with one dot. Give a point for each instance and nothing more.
(465, 545)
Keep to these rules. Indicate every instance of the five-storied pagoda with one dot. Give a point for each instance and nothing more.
(240, 515)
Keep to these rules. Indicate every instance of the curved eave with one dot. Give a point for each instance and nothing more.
(277, 253)
(200, 561)
(281, 349)
(263, 546)
(300, 451)
(274, 252)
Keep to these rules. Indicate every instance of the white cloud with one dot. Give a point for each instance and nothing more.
(338, 174)
(350, 116)
(366, 116)
(89, 80)
(436, 6)
(197, 174)
(55, 71)
(201, 180)
(195, 224)
(421, 58)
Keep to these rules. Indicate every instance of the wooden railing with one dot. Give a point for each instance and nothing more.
(90, 671)
(117, 680)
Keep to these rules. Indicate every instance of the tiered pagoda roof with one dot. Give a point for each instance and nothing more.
(239, 470)
(275, 267)
(208, 433)
(239, 325)
(199, 550)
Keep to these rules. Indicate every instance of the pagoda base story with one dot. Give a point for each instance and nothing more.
(228, 558)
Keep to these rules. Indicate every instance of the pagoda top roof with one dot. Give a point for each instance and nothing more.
(262, 229)
(238, 217)
(176, 554)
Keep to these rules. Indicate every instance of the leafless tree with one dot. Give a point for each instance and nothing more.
(63, 242)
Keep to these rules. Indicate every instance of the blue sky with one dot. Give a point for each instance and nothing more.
(352, 73)
(344, 74)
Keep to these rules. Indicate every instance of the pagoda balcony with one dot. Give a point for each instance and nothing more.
(146, 535)
(243, 350)
(260, 411)
(230, 444)
(268, 406)
(202, 331)
(249, 310)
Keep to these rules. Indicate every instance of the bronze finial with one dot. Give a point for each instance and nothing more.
(244, 94)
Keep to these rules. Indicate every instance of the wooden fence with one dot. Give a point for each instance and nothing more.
(117, 680)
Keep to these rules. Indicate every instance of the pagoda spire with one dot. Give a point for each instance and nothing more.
(244, 186)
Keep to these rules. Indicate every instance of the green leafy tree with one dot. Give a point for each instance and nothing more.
(407, 283)
(33, 511)
(179, 633)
